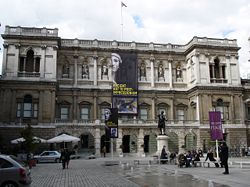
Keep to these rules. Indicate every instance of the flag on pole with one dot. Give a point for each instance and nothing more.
(123, 5)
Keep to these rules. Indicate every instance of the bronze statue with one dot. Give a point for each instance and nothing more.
(161, 123)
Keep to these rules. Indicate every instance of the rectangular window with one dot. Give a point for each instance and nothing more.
(143, 114)
(180, 114)
(84, 113)
(19, 109)
(35, 113)
(27, 110)
(64, 113)
(248, 112)
(220, 108)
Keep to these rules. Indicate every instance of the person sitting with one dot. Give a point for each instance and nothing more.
(189, 159)
(211, 158)
(196, 158)
(164, 155)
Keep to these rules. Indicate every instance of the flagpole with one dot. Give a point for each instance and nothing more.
(121, 23)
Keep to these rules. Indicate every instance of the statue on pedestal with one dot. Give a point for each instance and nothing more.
(161, 123)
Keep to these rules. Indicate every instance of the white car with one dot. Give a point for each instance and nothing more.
(48, 156)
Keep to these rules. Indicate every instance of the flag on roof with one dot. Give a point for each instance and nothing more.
(123, 5)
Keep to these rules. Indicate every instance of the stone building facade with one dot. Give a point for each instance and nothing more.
(64, 85)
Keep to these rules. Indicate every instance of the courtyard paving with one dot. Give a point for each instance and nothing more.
(94, 173)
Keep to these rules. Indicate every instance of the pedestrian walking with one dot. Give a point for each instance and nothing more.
(224, 157)
(104, 151)
(67, 158)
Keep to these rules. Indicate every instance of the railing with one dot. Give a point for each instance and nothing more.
(31, 31)
(28, 74)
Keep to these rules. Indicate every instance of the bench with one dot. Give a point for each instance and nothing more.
(163, 159)
(242, 163)
(205, 163)
(143, 161)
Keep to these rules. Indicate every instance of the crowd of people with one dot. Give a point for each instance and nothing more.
(190, 158)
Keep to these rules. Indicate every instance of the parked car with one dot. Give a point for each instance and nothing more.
(13, 172)
(48, 156)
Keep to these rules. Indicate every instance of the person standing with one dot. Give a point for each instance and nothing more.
(224, 157)
(63, 158)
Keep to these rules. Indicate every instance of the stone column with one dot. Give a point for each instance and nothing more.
(97, 141)
(53, 104)
(95, 57)
(197, 67)
(43, 62)
(228, 70)
(13, 105)
(152, 59)
(153, 108)
(232, 109)
(75, 70)
(74, 106)
(140, 143)
(170, 73)
(15, 70)
(198, 107)
(95, 106)
(40, 106)
(172, 117)
(119, 142)
(5, 52)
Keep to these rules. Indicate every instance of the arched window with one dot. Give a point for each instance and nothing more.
(29, 64)
(27, 107)
(217, 71)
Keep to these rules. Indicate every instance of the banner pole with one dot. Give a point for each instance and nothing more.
(112, 152)
(217, 150)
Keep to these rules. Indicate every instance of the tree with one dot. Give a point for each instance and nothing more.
(30, 144)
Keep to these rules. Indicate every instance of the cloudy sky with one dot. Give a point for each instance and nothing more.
(158, 21)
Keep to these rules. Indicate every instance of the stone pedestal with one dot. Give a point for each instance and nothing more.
(161, 141)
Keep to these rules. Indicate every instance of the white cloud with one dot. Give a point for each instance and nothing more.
(164, 21)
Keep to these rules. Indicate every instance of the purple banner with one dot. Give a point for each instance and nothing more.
(215, 125)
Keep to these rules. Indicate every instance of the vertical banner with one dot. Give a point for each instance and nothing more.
(112, 123)
(125, 82)
(215, 125)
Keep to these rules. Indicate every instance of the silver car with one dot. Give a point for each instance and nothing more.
(13, 172)
(48, 156)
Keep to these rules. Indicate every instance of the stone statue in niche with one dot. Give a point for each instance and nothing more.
(85, 71)
(178, 71)
(161, 71)
(142, 72)
(104, 69)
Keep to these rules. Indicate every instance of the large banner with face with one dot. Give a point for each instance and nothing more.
(125, 82)
(215, 125)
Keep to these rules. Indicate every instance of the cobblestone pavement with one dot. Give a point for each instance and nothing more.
(93, 173)
(81, 173)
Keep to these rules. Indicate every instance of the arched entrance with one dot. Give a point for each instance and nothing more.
(173, 145)
(190, 141)
(87, 142)
(150, 143)
(105, 142)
